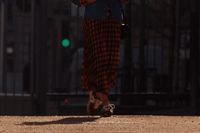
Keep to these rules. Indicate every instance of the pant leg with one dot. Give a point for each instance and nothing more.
(109, 56)
(101, 55)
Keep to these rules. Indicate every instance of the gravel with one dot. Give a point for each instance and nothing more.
(95, 124)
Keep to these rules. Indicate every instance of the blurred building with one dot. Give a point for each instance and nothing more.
(18, 40)
(158, 66)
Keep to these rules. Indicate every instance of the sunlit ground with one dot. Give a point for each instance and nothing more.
(114, 124)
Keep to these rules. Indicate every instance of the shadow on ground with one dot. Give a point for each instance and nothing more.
(69, 120)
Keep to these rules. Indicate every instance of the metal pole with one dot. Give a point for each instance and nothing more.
(41, 57)
(142, 82)
(194, 58)
(127, 66)
(32, 58)
(177, 48)
(128, 54)
(2, 44)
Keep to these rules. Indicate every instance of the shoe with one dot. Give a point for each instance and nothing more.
(94, 104)
(107, 110)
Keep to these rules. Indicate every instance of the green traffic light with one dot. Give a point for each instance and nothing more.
(65, 43)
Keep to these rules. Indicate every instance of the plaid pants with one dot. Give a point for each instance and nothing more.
(85, 2)
(101, 55)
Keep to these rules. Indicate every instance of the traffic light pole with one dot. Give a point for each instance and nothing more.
(38, 56)
(41, 57)
(2, 25)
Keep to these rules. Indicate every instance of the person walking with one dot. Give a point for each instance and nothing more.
(102, 35)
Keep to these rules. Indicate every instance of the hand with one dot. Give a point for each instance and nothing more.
(87, 2)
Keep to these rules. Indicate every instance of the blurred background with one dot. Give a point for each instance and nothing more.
(41, 48)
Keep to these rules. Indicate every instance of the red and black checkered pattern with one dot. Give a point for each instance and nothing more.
(101, 55)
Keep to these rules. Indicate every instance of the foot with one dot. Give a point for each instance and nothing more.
(107, 110)
(94, 105)
(99, 104)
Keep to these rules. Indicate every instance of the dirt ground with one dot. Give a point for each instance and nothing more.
(85, 124)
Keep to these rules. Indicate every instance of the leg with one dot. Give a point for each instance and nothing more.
(107, 68)
(101, 60)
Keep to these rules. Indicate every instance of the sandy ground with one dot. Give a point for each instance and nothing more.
(85, 124)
